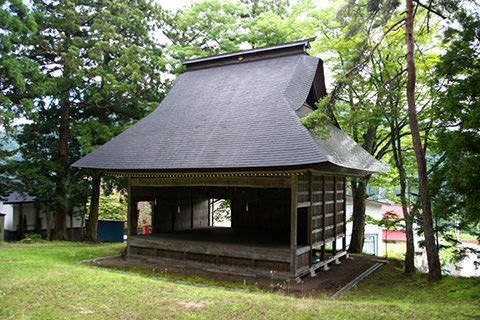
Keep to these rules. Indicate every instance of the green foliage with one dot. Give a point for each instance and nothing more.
(208, 27)
(100, 73)
(32, 238)
(389, 221)
(257, 7)
(365, 53)
(16, 69)
(111, 207)
(456, 181)
(346, 42)
(212, 27)
(365, 43)
(317, 120)
(35, 166)
(223, 212)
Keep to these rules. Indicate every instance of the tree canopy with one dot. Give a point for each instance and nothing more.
(456, 180)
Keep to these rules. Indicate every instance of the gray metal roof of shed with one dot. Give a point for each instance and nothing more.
(237, 115)
(17, 197)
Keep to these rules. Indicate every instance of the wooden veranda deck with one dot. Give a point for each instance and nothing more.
(247, 252)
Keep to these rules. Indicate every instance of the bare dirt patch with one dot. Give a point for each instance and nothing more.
(324, 283)
(329, 282)
(85, 311)
(9, 261)
(191, 304)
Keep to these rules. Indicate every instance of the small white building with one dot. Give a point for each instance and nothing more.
(8, 223)
(375, 236)
(373, 243)
(22, 217)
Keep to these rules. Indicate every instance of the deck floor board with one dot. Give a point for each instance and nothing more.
(226, 242)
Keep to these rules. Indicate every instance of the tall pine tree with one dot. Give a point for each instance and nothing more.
(20, 79)
(101, 72)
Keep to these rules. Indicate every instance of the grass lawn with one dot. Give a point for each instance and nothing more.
(45, 282)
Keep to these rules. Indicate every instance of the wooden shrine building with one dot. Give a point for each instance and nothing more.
(230, 128)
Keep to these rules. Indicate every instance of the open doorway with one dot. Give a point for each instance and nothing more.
(302, 226)
(220, 213)
(145, 210)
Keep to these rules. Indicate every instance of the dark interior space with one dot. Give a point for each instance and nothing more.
(227, 236)
(255, 212)
(302, 227)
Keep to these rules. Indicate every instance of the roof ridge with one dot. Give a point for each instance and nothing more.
(280, 49)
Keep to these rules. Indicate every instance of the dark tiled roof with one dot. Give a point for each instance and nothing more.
(16, 197)
(232, 116)
(299, 46)
(342, 151)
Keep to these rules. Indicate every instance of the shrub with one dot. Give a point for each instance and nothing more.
(32, 238)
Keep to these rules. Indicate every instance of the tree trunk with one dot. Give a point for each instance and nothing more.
(434, 272)
(38, 220)
(359, 195)
(49, 224)
(94, 206)
(396, 143)
(410, 253)
(82, 224)
(61, 192)
(71, 223)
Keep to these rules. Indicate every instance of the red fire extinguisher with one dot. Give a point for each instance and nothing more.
(146, 228)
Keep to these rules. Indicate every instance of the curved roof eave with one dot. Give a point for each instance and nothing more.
(344, 154)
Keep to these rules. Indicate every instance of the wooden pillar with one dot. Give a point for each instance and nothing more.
(178, 208)
(309, 218)
(136, 213)
(153, 209)
(210, 212)
(132, 214)
(324, 220)
(211, 204)
(293, 225)
(191, 209)
(129, 207)
(129, 214)
(334, 245)
(310, 209)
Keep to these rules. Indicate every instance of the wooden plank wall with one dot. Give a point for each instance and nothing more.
(261, 209)
(328, 215)
(174, 209)
(192, 209)
(323, 196)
